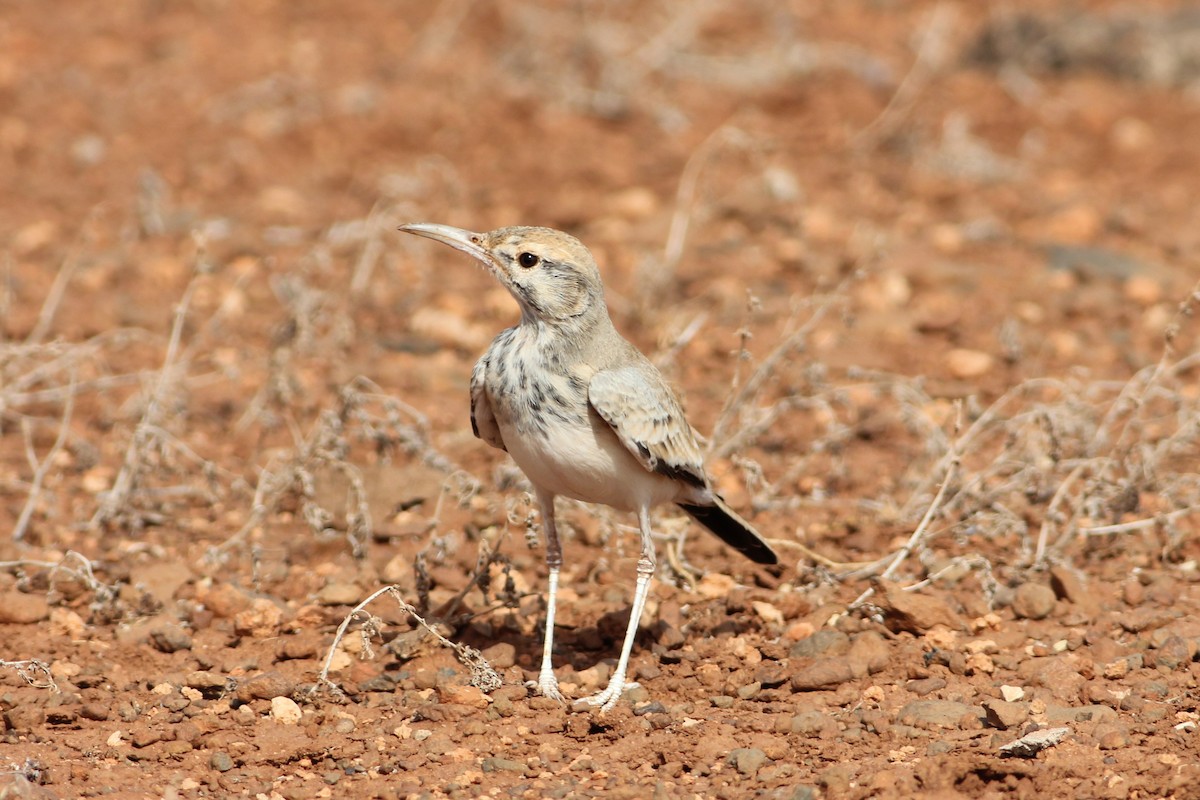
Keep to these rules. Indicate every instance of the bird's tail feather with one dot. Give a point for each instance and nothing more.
(733, 530)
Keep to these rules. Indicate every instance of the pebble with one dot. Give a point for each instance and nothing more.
(813, 723)
(285, 710)
(1033, 601)
(496, 764)
(1004, 715)
(1069, 585)
(340, 594)
(224, 600)
(1077, 224)
(938, 714)
(66, 624)
(18, 608)
(914, 612)
(501, 655)
(714, 586)
(265, 686)
(1174, 653)
(462, 695)
(1111, 737)
(923, 686)
(825, 642)
(749, 691)
(97, 712)
(170, 639)
(747, 760)
(262, 620)
(300, 645)
(964, 363)
(767, 612)
(868, 654)
(1062, 715)
(1143, 290)
(220, 761)
(1011, 694)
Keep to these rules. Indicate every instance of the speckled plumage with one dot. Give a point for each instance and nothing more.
(582, 412)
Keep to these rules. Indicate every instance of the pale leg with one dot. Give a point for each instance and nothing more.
(645, 571)
(547, 683)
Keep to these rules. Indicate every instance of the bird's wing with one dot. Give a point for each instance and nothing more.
(483, 421)
(645, 415)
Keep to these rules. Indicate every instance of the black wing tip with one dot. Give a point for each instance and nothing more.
(733, 531)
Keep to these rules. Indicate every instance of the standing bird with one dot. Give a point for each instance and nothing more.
(583, 412)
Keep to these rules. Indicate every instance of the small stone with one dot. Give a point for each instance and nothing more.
(494, 764)
(18, 608)
(1132, 134)
(1111, 737)
(825, 642)
(1005, 715)
(821, 673)
(501, 655)
(813, 723)
(1031, 744)
(1173, 653)
(1068, 584)
(285, 710)
(170, 639)
(1033, 601)
(301, 645)
(963, 363)
(97, 712)
(460, 695)
(340, 594)
(937, 714)
(146, 737)
(265, 686)
(1064, 715)
(749, 690)
(715, 586)
(262, 620)
(747, 760)
(1078, 224)
(914, 612)
(923, 686)
(220, 761)
(868, 654)
(1143, 290)
(767, 612)
(25, 717)
(224, 600)
(210, 684)
(66, 624)
(1011, 694)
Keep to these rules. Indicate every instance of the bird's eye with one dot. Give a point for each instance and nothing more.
(528, 260)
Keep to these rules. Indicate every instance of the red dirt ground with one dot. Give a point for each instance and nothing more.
(935, 261)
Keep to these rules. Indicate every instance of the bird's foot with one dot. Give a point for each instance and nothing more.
(547, 686)
(607, 698)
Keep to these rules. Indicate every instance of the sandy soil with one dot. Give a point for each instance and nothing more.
(923, 272)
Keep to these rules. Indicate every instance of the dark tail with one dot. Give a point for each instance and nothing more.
(733, 530)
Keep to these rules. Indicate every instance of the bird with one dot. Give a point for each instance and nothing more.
(583, 413)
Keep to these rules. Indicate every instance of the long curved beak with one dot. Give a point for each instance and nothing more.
(467, 241)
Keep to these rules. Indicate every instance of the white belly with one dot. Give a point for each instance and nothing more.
(586, 463)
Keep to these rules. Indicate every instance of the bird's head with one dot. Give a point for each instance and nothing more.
(550, 273)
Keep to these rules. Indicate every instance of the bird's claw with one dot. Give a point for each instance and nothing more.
(547, 686)
(606, 698)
